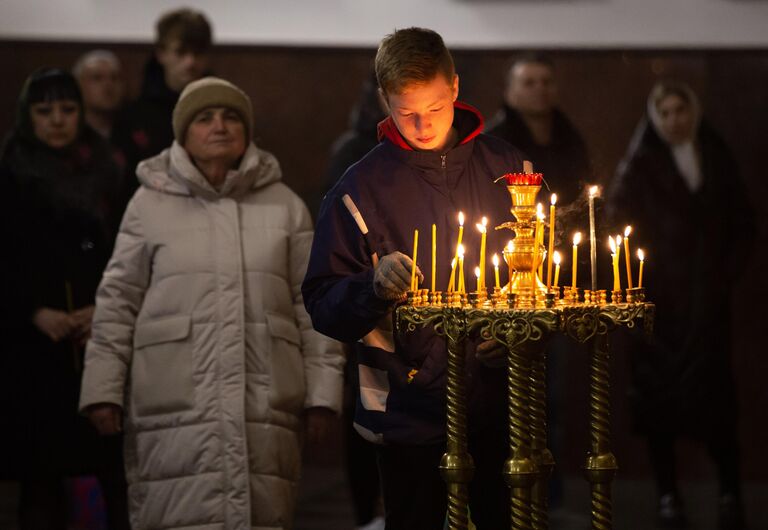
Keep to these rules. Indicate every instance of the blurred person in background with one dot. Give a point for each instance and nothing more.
(680, 187)
(60, 188)
(530, 120)
(100, 76)
(183, 39)
(201, 347)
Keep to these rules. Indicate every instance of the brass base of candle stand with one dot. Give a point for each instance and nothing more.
(524, 332)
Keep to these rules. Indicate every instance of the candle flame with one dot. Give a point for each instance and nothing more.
(484, 221)
(576, 238)
(453, 263)
(593, 191)
(553, 199)
(618, 240)
(461, 218)
(510, 246)
(612, 244)
(460, 251)
(480, 228)
(539, 208)
(627, 231)
(477, 272)
(556, 257)
(495, 260)
(640, 254)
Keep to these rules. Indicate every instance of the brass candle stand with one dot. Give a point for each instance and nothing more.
(522, 316)
(524, 331)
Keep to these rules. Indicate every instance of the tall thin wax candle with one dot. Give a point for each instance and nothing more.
(415, 253)
(551, 247)
(592, 237)
(556, 259)
(495, 260)
(615, 263)
(461, 269)
(452, 280)
(535, 259)
(477, 277)
(627, 231)
(576, 241)
(483, 233)
(641, 257)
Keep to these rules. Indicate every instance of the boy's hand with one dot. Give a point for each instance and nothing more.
(106, 417)
(392, 276)
(492, 354)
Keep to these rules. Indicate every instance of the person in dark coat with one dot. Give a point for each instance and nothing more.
(61, 187)
(182, 53)
(530, 120)
(432, 162)
(360, 454)
(679, 187)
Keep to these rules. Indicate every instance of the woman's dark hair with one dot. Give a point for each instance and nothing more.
(45, 85)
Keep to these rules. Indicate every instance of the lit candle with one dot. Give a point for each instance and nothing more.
(627, 231)
(576, 241)
(535, 256)
(434, 255)
(483, 232)
(615, 261)
(592, 237)
(495, 260)
(461, 268)
(477, 278)
(556, 259)
(641, 257)
(509, 250)
(415, 252)
(540, 231)
(553, 201)
(452, 280)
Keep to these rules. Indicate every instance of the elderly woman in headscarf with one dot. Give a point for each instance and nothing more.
(680, 188)
(201, 346)
(59, 212)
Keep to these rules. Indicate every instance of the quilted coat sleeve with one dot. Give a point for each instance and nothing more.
(118, 300)
(323, 357)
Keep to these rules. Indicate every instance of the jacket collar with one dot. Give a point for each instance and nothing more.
(467, 120)
(173, 172)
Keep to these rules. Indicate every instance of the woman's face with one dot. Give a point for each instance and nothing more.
(216, 134)
(676, 119)
(55, 122)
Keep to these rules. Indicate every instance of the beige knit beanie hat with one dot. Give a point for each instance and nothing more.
(210, 92)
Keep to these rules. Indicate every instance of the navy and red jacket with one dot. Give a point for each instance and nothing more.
(397, 190)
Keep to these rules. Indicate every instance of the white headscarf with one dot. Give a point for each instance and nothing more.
(685, 154)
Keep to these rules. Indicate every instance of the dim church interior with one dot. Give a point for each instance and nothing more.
(732, 86)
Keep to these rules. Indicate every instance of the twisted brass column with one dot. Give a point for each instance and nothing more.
(542, 456)
(456, 466)
(601, 464)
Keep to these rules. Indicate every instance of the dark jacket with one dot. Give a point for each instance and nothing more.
(398, 190)
(695, 244)
(144, 127)
(59, 220)
(564, 162)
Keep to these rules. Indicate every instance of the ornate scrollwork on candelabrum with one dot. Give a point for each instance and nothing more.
(409, 318)
(512, 328)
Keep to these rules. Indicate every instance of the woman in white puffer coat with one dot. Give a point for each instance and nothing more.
(201, 345)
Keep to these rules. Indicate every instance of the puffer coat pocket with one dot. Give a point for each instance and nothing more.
(163, 366)
(287, 387)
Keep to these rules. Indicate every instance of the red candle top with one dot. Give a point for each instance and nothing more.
(523, 179)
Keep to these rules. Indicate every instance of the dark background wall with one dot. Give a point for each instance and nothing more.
(302, 99)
